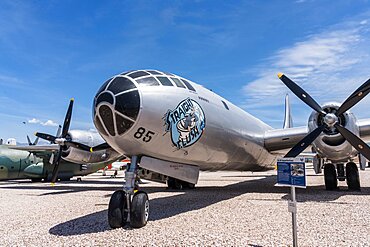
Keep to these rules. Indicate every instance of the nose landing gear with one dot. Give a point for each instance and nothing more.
(130, 204)
(351, 175)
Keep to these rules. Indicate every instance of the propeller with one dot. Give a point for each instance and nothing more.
(331, 119)
(32, 143)
(61, 140)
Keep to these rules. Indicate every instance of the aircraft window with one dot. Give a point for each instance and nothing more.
(128, 104)
(225, 105)
(123, 124)
(154, 72)
(120, 84)
(188, 85)
(107, 115)
(148, 81)
(100, 127)
(178, 82)
(127, 72)
(138, 74)
(102, 88)
(168, 74)
(165, 81)
(105, 97)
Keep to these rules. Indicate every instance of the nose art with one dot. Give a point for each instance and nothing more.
(116, 106)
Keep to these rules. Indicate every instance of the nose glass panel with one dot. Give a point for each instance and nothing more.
(116, 106)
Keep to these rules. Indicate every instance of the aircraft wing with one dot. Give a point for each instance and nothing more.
(280, 140)
(46, 148)
(39, 151)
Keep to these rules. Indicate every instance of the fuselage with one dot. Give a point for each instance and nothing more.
(186, 124)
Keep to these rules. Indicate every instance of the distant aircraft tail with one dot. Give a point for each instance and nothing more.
(288, 121)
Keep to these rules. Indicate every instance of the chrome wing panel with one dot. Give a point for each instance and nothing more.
(281, 139)
(46, 148)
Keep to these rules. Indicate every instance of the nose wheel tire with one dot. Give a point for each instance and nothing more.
(330, 175)
(353, 178)
(117, 213)
(139, 210)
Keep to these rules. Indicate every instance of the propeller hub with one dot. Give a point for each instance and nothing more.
(330, 119)
(60, 141)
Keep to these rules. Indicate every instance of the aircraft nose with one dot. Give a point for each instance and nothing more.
(116, 106)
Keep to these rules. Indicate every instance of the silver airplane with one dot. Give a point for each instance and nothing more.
(173, 127)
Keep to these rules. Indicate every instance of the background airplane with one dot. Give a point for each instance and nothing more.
(171, 126)
(60, 160)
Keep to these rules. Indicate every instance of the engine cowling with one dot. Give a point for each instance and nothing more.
(91, 139)
(330, 143)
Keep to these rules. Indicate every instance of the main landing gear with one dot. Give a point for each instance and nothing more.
(332, 174)
(130, 204)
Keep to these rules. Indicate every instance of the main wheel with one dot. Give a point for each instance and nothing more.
(353, 178)
(139, 210)
(173, 183)
(330, 175)
(117, 216)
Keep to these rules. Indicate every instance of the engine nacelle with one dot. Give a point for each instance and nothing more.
(330, 143)
(84, 157)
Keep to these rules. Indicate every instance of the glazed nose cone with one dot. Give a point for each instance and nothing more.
(116, 106)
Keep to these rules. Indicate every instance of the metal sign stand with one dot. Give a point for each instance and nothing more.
(292, 173)
(292, 207)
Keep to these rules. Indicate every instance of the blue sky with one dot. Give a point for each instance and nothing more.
(51, 51)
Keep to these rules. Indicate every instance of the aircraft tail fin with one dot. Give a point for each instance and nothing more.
(288, 121)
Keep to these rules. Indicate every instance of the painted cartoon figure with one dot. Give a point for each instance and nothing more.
(186, 123)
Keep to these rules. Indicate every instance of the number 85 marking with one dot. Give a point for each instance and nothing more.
(140, 134)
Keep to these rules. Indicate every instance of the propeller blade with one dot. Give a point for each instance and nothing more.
(29, 141)
(354, 98)
(67, 119)
(36, 141)
(59, 131)
(100, 147)
(304, 143)
(56, 166)
(303, 95)
(45, 136)
(78, 145)
(356, 142)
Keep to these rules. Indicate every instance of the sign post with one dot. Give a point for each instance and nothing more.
(292, 172)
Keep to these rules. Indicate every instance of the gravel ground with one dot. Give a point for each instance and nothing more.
(226, 209)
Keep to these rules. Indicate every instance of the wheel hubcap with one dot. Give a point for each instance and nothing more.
(146, 210)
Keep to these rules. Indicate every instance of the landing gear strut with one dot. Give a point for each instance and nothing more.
(130, 204)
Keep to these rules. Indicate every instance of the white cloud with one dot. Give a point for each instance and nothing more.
(49, 123)
(38, 121)
(34, 121)
(329, 65)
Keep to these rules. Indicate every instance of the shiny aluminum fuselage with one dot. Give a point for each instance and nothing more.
(232, 138)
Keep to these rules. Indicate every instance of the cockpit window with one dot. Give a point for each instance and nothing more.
(168, 73)
(190, 87)
(120, 84)
(148, 81)
(102, 88)
(178, 82)
(138, 74)
(127, 72)
(225, 105)
(154, 72)
(165, 81)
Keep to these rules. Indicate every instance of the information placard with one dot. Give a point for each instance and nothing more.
(291, 172)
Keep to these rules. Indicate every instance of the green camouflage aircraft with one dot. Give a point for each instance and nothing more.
(35, 165)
